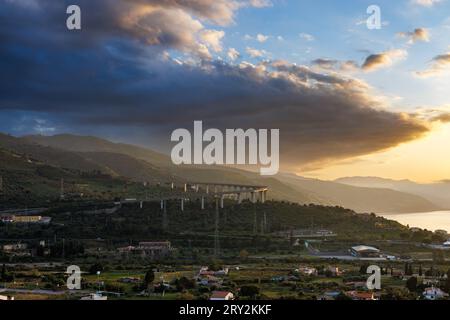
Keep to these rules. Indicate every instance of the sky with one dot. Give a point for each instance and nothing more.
(348, 100)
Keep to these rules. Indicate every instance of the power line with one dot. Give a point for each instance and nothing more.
(216, 230)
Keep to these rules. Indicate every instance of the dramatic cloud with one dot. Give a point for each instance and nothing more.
(426, 3)
(213, 39)
(261, 38)
(443, 117)
(336, 65)
(233, 54)
(419, 34)
(438, 66)
(435, 114)
(125, 74)
(163, 24)
(384, 59)
(307, 36)
(255, 53)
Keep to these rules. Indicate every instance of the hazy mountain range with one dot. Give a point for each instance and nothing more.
(438, 193)
(87, 153)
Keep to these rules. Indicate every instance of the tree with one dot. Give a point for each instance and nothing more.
(215, 265)
(438, 256)
(249, 291)
(411, 284)
(3, 275)
(184, 284)
(410, 270)
(243, 254)
(363, 269)
(343, 297)
(97, 267)
(447, 282)
(149, 278)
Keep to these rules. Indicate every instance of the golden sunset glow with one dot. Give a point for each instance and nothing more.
(423, 160)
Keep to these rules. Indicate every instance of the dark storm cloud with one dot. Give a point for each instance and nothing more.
(383, 59)
(113, 76)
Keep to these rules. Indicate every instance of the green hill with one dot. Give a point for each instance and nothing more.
(29, 182)
(89, 154)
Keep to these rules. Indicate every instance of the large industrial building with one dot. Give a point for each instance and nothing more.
(363, 251)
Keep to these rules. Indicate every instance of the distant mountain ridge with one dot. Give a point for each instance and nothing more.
(438, 193)
(361, 198)
(140, 164)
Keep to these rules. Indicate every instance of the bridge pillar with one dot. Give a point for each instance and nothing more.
(207, 189)
(185, 187)
(203, 203)
(141, 204)
(239, 198)
(182, 205)
(253, 197)
(264, 196)
(162, 204)
(221, 201)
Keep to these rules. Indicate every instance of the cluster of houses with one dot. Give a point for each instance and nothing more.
(25, 219)
(210, 278)
(431, 293)
(355, 295)
(331, 271)
(152, 250)
(21, 249)
(6, 298)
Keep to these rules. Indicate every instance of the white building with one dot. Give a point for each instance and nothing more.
(434, 294)
(95, 296)
(307, 271)
(365, 251)
(221, 296)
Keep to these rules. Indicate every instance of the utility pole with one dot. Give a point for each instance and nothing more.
(216, 230)
(266, 229)
(63, 248)
(164, 207)
(61, 192)
(255, 221)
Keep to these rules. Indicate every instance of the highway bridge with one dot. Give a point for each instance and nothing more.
(205, 191)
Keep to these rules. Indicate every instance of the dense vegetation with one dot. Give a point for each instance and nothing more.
(237, 223)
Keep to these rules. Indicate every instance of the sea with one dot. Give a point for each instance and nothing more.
(435, 220)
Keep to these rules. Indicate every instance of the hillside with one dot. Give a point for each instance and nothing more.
(235, 222)
(29, 182)
(438, 193)
(93, 144)
(139, 164)
(362, 199)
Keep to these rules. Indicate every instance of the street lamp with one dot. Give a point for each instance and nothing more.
(98, 280)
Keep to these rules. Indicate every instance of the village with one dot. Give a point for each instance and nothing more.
(254, 277)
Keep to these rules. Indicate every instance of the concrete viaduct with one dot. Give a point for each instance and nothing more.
(205, 191)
